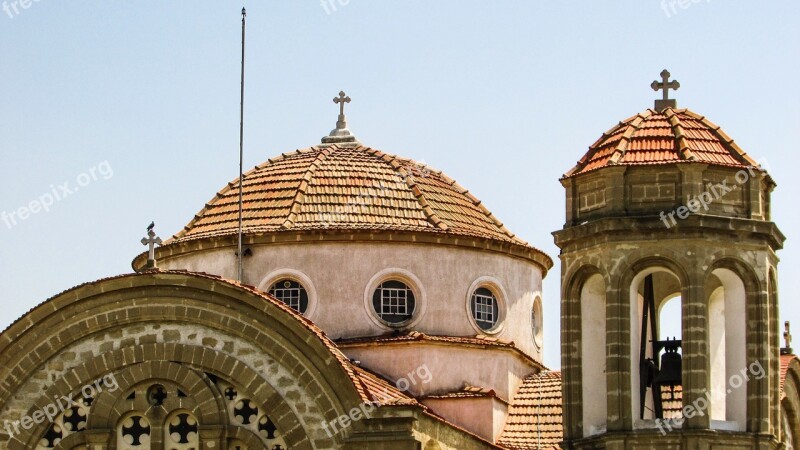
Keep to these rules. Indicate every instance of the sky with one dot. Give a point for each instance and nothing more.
(127, 112)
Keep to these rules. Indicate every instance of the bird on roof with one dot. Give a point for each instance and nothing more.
(151, 226)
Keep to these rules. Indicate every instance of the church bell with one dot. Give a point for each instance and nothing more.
(669, 373)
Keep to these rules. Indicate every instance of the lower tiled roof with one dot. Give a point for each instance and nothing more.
(786, 361)
(416, 336)
(379, 391)
(534, 416)
(465, 392)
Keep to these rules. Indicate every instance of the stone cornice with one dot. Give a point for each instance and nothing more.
(652, 228)
(174, 249)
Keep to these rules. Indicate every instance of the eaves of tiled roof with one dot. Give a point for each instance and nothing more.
(670, 136)
(535, 414)
(412, 337)
(465, 392)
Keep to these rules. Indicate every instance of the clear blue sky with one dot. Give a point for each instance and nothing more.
(504, 96)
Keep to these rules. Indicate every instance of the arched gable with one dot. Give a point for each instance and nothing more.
(158, 325)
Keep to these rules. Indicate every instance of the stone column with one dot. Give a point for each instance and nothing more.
(569, 185)
(571, 359)
(691, 181)
(615, 190)
(618, 361)
(696, 363)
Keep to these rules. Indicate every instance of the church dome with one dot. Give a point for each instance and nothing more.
(664, 136)
(346, 187)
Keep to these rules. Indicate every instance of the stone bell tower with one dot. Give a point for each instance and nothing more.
(667, 207)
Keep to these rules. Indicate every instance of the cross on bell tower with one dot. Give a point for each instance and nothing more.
(665, 85)
(787, 337)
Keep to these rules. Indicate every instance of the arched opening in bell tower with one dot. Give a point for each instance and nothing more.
(656, 332)
(727, 341)
(593, 354)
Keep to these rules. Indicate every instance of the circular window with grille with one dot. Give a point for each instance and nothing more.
(293, 288)
(486, 305)
(485, 309)
(292, 293)
(394, 302)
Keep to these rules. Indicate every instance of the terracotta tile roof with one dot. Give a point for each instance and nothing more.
(786, 362)
(669, 136)
(346, 187)
(377, 389)
(465, 392)
(416, 336)
(534, 416)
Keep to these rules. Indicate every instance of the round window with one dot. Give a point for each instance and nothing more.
(394, 302)
(537, 321)
(292, 293)
(485, 308)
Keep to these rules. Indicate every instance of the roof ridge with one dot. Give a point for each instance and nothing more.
(479, 204)
(717, 130)
(410, 181)
(300, 194)
(633, 125)
(584, 160)
(677, 129)
(200, 214)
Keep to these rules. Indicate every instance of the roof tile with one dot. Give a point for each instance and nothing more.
(669, 136)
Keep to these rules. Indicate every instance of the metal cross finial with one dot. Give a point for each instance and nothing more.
(341, 100)
(787, 336)
(151, 241)
(665, 85)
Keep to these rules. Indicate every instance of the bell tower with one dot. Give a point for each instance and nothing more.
(669, 309)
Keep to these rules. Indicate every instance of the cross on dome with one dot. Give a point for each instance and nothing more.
(665, 85)
(341, 133)
(341, 100)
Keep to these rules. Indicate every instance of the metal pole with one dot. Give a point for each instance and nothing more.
(241, 154)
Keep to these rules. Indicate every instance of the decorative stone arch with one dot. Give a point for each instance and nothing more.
(644, 263)
(34, 347)
(210, 409)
